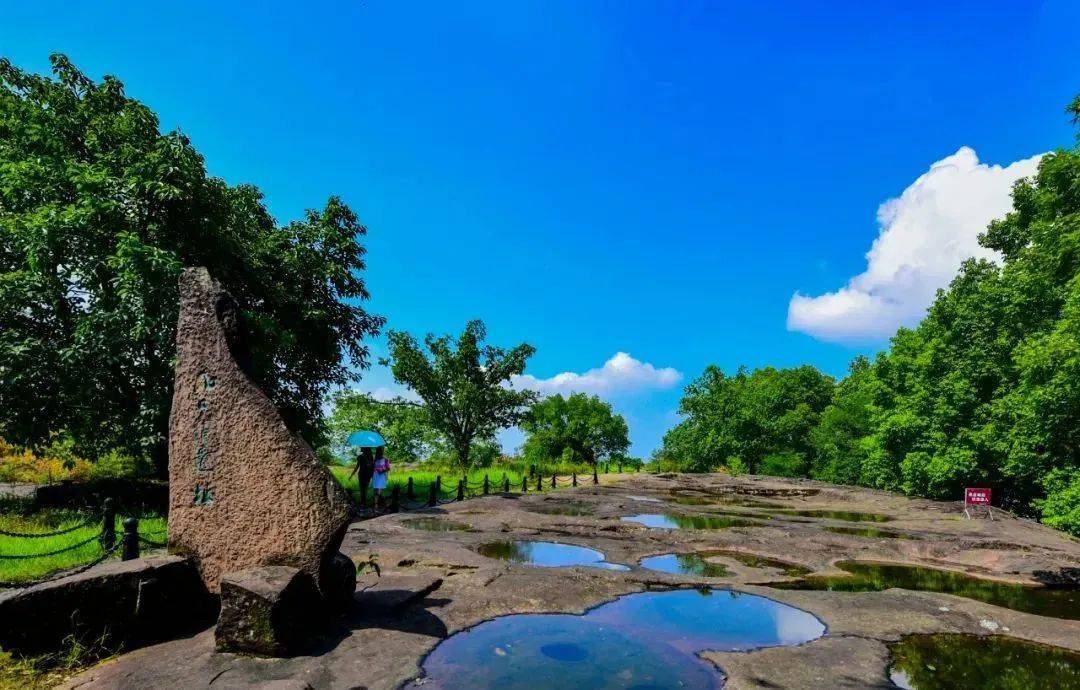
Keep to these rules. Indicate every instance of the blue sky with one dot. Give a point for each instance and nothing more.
(657, 179)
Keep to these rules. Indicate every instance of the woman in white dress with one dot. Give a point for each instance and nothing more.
(382, 473)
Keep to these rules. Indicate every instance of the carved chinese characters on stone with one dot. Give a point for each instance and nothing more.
(244, 491)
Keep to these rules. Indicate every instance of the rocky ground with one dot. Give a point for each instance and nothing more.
(402, 616)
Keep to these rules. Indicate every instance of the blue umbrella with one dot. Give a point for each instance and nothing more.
(366, 439)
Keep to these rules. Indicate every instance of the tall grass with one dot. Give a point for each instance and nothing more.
(423, 478)
(27, 569)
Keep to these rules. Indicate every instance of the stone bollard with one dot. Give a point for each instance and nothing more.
(433, 494)
(409, 493)
(595, 477)
(524, 485)
(131, 539)
(461, 489)
(108, 524)
(574, 479)
(487, 485)
(553, 484)
(506, 484)
(539, 482)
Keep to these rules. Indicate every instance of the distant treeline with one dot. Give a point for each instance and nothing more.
(985, 391)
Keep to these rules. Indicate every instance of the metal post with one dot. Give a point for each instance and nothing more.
(395, 498)
(574, 479)
(461, 489)
(409, 490)
(487, 485)
(108, 524)
(131, 539)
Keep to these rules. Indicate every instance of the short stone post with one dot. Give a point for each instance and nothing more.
(595, 478)
(620, 468)
(433, 494)
(574, 479)
(539, 482)
(553, 484)
(395, 498)
(487, 485)
(108, 524)
(461, 489)
(506, 483)
(131, 539)
(409, 492)
(524, 485)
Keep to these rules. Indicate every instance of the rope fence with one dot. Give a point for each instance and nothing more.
(403, 500)
(127, 544)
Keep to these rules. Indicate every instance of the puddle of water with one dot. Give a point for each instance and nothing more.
(646, 499)
(701, 499)
(646, 641)
(684, 564)
(673, 521)
(871, 532)
(945, 661)
(547, 554)
(430, 524)
(873, 577)
(754, 561)
(846, 516)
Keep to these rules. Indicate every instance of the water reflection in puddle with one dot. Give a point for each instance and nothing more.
(844, 515)
(430, 524)
(675, 521)
(872, 577)
(684, 564)
(645, 499)
(945, 661)
(562, 509)
(870, 532)
(547, 554)
(640, 641)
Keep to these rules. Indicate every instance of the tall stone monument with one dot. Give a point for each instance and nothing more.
(244, 491)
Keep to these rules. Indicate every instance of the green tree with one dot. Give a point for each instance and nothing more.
(99, 212)
(749, 416)
(404, 425)
(580, 428)
(464, 384)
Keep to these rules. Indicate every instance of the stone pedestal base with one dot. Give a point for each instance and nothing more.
(267, 611)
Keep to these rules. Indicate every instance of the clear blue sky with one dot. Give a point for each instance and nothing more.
(656, 178)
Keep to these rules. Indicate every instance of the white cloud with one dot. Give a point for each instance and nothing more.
(620, 374)
(926, 233)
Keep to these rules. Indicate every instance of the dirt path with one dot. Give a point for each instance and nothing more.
(375, 649)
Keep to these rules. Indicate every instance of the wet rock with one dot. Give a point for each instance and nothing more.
(267, 611)
(244, 490)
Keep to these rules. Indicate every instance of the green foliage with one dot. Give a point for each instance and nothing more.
(463, 384)
(985, 391)
(577, 429)
(405, 426)
(748, 416)
(786, 464)
(99, 213)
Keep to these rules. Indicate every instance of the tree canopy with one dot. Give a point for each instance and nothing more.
(580, 428)
(404, 426)
(464, 384)
(99, 212)
(985, 391)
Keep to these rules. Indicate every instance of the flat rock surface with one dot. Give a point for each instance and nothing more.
(374, 647)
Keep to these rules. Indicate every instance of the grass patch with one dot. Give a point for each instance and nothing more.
(423, 479)
(28, 569)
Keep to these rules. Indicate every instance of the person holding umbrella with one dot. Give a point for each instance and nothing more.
(367, 443)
